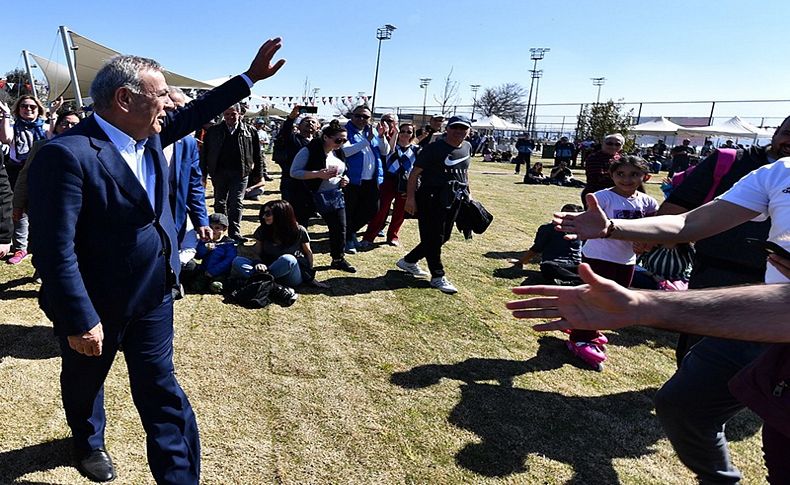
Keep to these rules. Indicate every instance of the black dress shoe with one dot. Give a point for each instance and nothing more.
(96, 466)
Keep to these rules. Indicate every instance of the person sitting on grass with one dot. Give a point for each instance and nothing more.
(535, 175)
(216, 257)
(282, 248)
(559, 258)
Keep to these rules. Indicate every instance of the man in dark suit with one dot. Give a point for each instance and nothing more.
(187, 195)
(105, 245)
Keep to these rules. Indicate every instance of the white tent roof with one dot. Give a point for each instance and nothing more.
(732, 127)
(90, 56)
(661, 126)
(494, 122)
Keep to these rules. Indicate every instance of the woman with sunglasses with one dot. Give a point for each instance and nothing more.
(282, 247)
(596, 165)
(28, 126)
(322, 165)
(396, 176)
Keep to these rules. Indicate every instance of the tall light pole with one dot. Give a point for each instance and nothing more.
(382, 33)
(598, 81)
(536, 54)
(535, 75)
(474, 88)
(315, 96)
(424, 82)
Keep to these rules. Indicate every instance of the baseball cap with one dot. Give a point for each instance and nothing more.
(221, 219)
(459, 120)
(437, 117)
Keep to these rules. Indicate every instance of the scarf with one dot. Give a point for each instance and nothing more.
(402, 159)
(25, 134)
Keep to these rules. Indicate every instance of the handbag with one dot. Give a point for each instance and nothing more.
(329, 201)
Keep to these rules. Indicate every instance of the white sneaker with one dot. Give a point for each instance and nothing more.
(412, 268)
(444, 285)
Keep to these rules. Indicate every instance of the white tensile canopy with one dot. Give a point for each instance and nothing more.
(90, 56)
(494, 122)
(735, 127)
(661, 126)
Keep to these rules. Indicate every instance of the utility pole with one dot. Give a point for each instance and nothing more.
(536, 54)
(598, 81)
(382, 33)
(474, 88)
(424, 82)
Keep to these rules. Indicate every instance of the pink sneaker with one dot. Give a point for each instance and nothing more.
(590, 353)
(18, 257)
(600, 340)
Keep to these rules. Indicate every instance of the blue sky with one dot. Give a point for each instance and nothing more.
(648, 51)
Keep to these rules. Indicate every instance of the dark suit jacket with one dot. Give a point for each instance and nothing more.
(104, 254)
(189, 194)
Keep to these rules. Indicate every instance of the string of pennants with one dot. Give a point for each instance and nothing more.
(290, 101)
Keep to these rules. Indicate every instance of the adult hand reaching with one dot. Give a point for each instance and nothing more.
(599, 304)
(204, 233)
(590, 224)
(780, 263)
(5, 249)
(89, 343)
(261, 67)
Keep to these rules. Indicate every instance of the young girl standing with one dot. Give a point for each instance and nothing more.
(609, 258)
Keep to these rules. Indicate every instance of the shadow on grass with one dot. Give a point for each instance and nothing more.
(354, 285)
(587, 433)
(8, 291)
(15, 464)
(24, 342)
(503, 254)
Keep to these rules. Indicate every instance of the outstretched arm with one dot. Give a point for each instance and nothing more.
(712, 218)
(754, 313)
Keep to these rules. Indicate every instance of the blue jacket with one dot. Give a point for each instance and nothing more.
(217, 262)
(354, 162)
(188, 186)
(103, 252)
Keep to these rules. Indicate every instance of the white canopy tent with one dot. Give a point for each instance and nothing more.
(734, 127)
(494, 122)
(659, 127)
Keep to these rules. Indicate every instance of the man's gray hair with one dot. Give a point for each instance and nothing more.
(236, 107)
(616, 136)
(119, 72)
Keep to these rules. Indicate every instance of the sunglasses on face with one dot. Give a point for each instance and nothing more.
(613, 143)
(267, 213)
(28, 106)
(340, 141)
(408, 132)
(362, 117)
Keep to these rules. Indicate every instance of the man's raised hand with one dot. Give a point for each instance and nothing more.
(261, 67)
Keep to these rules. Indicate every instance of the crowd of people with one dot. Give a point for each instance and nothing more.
(119, 229)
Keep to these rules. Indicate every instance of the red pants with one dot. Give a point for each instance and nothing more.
(387, 193)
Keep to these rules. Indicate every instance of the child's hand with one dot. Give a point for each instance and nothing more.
(210, 246)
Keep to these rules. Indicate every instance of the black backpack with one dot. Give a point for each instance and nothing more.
(254, 292)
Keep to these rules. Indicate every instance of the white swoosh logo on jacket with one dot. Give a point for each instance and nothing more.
(451, 163)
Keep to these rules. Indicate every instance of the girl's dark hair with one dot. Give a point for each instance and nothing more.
(629, 160)
(284, 227)
(333, 128)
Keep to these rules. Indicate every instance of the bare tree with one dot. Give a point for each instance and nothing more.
(450, 94)
(505, 101)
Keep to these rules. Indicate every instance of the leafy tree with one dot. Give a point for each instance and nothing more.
(505, 101)
(600, 119)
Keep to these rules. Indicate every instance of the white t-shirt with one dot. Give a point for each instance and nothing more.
(616, 206)
(767, 191)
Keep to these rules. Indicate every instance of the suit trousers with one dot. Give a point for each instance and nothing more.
(362, 203)
(172, 439)
(229, 198)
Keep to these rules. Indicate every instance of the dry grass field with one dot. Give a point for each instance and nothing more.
(378, 379)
